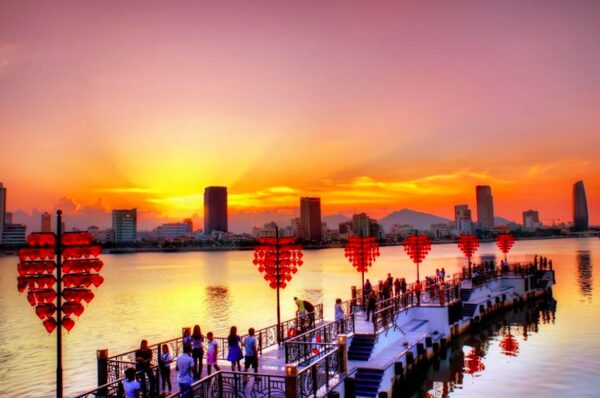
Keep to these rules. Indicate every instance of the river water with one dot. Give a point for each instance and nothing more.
(153, 295)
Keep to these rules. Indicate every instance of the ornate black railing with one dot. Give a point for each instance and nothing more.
(296, 349)
(114, 388)
(226, 384)
(315, 379)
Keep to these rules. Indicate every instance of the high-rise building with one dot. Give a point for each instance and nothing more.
(46, 222)
(215, 209)
(124, 223)
(580, 208)
(485, 207)
(462, 219)
(531, 220)
(310, 219)
(361, 224)
(2, 209)
(14, 234)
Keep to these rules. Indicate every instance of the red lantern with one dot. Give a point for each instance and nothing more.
(50, 324)
(68, 323)
(417, 247)
(72, 307)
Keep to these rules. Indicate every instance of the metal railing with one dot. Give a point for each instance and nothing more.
(298, 349)
(227, 384)
(114, 389)
(315, 379)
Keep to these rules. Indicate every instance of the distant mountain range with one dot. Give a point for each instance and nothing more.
(501, 221)
(417, 219)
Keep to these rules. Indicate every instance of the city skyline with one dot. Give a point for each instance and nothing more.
(216, 198)
(410, 123)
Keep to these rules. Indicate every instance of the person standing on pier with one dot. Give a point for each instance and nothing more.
(143, 358)
(234, 355)
(251, 359)
(197, 351)
(371, 304)
(185, 368)
(339, 315)
(397, 287)
(130, 387)
(165, 367)
(212, 353)
(301, 311)
(367, 288)
(418, 290)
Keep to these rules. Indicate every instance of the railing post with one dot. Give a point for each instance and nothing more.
(291, 381)
(102, 357)
(342, 341)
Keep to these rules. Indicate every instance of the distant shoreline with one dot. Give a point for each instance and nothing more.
(127, 250)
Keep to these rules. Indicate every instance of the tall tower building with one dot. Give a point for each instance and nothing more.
(46, 222)
(215, 209)
(310, 218)
(124, 223)
(531, 220)
(485, 207)
(580, 208)
(2, 209)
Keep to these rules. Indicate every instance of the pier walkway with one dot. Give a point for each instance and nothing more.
(325, 356)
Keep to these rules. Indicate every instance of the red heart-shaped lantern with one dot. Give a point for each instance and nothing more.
(36, 274)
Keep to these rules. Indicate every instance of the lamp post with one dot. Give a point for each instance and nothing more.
(362, 252)
(54, 294)
(469, 245)
(505, 242)
(417, 246)
(278, 259)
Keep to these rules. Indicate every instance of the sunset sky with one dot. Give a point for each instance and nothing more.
(374, 106)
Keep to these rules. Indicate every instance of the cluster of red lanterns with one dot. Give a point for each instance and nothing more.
(468, 244)
(361, 252)
(278, 259)
(417, 247)
(473, 362)
(36, 273)
(505, 242)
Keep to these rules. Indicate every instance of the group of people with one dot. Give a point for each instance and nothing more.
(189, 365)
(399, 289)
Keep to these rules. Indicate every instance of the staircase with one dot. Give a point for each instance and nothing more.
(367, 382)
(361, 347)
(468, 310)
(465, 294)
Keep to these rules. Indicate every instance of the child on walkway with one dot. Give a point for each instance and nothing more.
(212, 351)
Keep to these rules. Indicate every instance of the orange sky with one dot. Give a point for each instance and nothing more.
(372, 107)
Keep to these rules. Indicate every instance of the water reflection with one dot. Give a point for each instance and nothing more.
(466, 357)
(584, 273)
(218, 304)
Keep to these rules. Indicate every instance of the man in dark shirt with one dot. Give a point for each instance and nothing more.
(143, 359)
